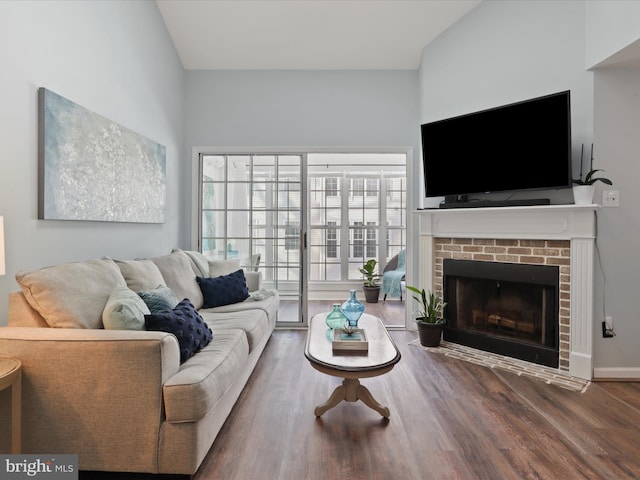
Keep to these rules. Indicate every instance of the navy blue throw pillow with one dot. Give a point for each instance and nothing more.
(223, 290)
(186, 324)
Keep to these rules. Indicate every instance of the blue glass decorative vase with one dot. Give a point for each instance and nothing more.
(336, 319)
(353, 309)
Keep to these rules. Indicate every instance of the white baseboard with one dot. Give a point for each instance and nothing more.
(616, 373)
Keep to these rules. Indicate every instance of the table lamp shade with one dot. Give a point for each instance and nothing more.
(1, 246)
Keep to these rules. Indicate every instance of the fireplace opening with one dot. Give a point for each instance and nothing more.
(510, 309)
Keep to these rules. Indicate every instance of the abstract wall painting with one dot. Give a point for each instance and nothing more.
(91, 168)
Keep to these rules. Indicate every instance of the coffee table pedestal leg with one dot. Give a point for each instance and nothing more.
(351, 391)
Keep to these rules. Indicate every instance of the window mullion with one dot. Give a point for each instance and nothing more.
(345, 233)
(382, 228)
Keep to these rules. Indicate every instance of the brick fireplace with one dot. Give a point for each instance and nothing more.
(510, 253)
(560, 236)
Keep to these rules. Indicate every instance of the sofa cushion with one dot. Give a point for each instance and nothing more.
(269, 305)
(179, 277)
(254, 323)
(71, 295)
(222, 267)
(203, 380)
(140, 274)
(223, 290)
(160, 299)
(125, 310)
(186, 324)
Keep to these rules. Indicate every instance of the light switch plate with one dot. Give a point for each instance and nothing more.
(610, 198)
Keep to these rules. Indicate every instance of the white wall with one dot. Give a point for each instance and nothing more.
(116, 59)
(612, 31)
(301, 108)
(613, 34)
(617, 116)
(506, 51)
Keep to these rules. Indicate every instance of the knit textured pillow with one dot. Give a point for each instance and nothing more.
(160, 299)
(186, 324)
(224, 290)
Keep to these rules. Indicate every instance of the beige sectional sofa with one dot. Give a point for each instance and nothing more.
(121, 398)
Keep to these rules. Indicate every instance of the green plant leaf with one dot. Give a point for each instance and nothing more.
(590, 180)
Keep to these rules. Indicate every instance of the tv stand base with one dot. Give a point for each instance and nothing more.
(496, 203)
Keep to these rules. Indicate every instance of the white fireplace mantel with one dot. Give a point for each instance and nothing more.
(576, 223)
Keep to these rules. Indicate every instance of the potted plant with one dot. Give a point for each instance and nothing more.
(370, 284)
(430, 318)
(583, 188)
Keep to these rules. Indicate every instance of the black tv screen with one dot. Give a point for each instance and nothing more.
(520, 146)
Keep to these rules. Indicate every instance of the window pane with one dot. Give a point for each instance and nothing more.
(209, 247)
(212, 222)
(264, 166)
(288, 198)
(239, 169)
(238, 195)
(357, 187)
(331, 187)
(371, 187)
(213, 195)
(260, 195)
(213, 168)
(237, 223)
(353, 185)
(325, 216)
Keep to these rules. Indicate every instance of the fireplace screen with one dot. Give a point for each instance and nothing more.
(506, 308)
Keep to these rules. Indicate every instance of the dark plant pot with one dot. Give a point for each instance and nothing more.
(430, 333)
(371, 294)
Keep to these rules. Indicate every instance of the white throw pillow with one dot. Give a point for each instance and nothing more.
(125, 310)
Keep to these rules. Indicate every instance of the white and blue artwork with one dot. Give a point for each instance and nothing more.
(91, 168)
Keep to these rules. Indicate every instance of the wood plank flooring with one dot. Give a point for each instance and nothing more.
(392, 312)
(449, 420)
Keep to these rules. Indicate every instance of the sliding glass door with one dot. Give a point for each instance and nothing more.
(251, 211)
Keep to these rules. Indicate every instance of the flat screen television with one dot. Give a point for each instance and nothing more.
(520, 146)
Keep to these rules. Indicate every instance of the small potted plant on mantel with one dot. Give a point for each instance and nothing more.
(583, 188)
(430, 318)
(370, 283)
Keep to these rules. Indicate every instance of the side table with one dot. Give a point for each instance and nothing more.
(11, 376)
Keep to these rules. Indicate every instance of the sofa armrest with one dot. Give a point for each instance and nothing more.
(78, 382)
(254, 280)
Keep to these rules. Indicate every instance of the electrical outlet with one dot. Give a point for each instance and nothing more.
(607, 327)
(606, 333)
(610, 198)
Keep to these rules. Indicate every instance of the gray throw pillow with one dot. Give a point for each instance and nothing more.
(159, 299)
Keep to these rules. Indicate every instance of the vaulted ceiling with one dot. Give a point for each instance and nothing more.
(307, 34)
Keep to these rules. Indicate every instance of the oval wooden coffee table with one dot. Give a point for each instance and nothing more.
(379, 359)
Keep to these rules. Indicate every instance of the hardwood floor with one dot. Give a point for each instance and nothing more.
(392, 312)
(449, 420)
